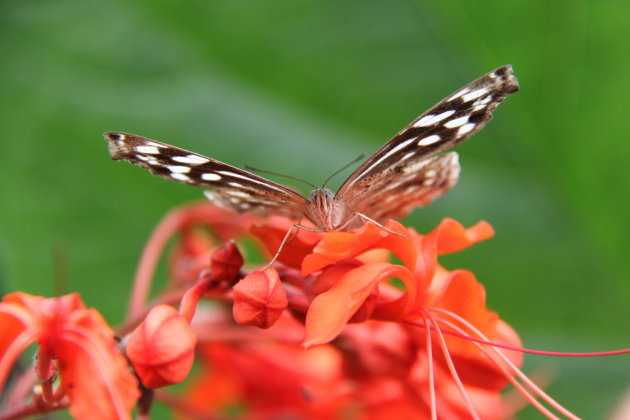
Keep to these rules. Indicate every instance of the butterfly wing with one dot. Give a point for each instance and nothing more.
(227, 186)
(399, 177)
(414, 186)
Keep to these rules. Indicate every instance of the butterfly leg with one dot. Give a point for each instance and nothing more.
(366, 219)
(288, 238)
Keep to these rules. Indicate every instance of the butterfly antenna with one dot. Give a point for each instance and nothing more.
(263, 171)
(361, 156)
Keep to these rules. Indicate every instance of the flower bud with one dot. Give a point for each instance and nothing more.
(259, 299)
(161, 349)
(226, 262)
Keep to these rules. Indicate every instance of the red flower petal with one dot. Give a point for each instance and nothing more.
(293, 251)
(330, 311)
(378, 348)
(453, 237)
(190, 255)
(259, 299)
(93, 372)
(339, 246)
(466, 297)
(162, 347)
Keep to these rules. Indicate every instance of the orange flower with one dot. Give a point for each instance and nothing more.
(404, 339)
(347, 278)
(348, 269)
(76, 344)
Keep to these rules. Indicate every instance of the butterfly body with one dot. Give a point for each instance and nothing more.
(324, 211)
(405, 173)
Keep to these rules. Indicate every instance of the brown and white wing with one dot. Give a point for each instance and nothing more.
(412, 186)
(399, 177)
(227, 186)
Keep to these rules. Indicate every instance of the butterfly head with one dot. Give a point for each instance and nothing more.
(323, 210)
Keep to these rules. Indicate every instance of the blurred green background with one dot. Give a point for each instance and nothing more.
(303, 87)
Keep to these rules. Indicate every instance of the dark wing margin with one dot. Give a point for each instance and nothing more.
(445, 125)
(228, 186)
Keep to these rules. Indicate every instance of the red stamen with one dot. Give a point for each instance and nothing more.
(451, 367)
(433, 403)
(508, 375)
(189, 301)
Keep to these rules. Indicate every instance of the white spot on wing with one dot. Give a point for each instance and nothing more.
(474, 94)
(209, 176)
(238, 194)
(180, 177)
(266, 202)
(191, 159)
(454, 159)
(151, 150)
(483, 101)
(179, 169)
(412, 168)
(211, 195)
(465, 129)
(407, 156)
(432, 119)
(429, 140)
(457, 122)
(152, 143)
(394, 150)
(458, 94)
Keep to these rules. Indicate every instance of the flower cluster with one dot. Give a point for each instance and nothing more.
(333, 329)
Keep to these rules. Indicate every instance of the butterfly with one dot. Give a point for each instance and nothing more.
(405, 173)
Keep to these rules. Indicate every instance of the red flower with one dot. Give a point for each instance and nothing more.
(75, 344)
(349, 269)
(404, 339)
(347, 278)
